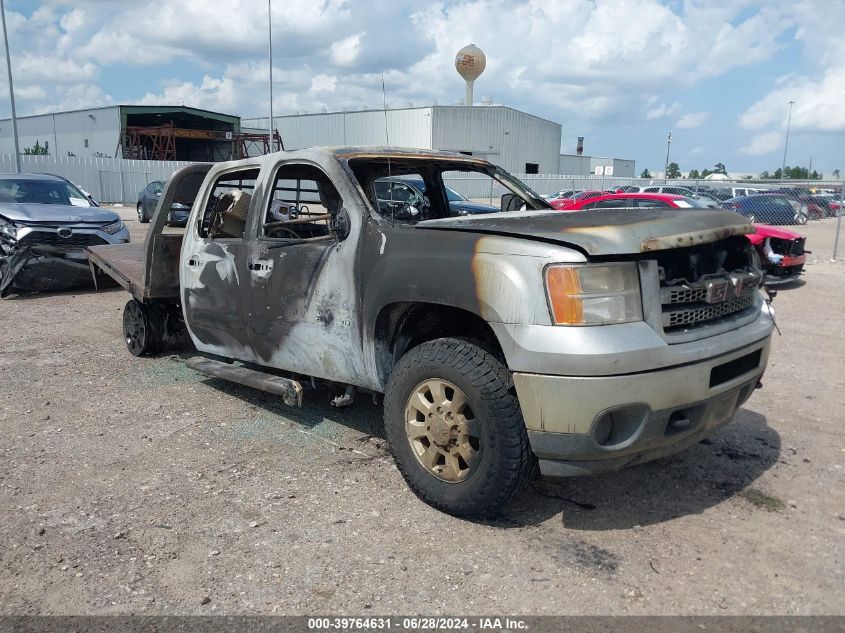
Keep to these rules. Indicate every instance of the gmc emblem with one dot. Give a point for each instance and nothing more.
(723, 289)
(718, 290)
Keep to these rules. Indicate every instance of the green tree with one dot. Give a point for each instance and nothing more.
(673, 171)
(765, 175)
(645, 173)
(694, 174)
(836, 174)
(720, 169)
(37, 149)
(706, 172)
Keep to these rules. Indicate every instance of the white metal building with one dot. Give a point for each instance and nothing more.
(583, 165)
(520, 142)
(127, 131)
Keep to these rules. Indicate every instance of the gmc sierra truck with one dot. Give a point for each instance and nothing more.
(576, 342)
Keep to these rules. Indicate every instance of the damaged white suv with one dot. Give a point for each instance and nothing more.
(45, 224)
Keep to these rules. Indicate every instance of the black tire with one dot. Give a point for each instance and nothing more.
(143, 328)
(142, 216)
(505, 461)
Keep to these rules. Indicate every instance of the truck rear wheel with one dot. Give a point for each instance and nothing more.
(143, 328)
(455, 427)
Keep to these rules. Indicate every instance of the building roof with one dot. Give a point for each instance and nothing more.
(138, 109)
(409, 108)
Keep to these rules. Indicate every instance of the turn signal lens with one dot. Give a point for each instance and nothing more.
(589, 294)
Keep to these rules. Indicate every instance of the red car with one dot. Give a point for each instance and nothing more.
(781, 253)
(617, 200)
(581, 196)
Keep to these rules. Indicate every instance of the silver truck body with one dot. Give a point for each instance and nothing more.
(346, 307)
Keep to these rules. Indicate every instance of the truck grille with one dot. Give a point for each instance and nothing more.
(682, 294)
(703, 284)
(76, 240)
(713, 297)
(698, 314)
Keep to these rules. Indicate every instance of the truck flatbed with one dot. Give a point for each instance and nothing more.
(149, 271)
(122, 262)
(144, 278)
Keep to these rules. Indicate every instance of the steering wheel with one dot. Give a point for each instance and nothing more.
(276, 229)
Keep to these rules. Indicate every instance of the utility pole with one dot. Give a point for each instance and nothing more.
(786, 144)
(668, 144)
(11, 89)
(270, 56)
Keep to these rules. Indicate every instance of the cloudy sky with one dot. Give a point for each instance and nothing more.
(622, 73)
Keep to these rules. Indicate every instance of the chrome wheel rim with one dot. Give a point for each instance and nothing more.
(442, 430)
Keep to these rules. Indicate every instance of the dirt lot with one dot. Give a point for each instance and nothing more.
(138, 486)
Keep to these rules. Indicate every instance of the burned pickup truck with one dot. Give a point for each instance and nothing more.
(582, 342)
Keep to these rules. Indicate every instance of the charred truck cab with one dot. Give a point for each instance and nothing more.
(582, 342)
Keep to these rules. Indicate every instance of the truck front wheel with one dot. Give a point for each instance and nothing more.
(455, 428)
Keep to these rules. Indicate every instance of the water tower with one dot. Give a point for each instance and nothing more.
(470, 62)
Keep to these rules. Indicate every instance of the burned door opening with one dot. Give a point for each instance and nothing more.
(214, 266)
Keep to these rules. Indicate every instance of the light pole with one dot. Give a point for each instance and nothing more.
(666, 167)
(786, 144)
(270, 56)
(11, 89)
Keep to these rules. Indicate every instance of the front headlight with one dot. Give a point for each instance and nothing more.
(114, 227)
(594, 294)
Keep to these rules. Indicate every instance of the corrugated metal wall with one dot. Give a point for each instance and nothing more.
(502, 135)
(574, 165)
(67, 132)
(107, 179)
(406, 128)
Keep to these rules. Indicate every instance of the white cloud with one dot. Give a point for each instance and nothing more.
(73, 20)
(764, 143)
(696, 150)
(817, 95)
(692, 119)
(323, 83)
(818, 104)
(662, 110)
(210, 94)
(346, 51)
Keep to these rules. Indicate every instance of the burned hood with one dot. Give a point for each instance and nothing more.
(55, 213)
(607, 231)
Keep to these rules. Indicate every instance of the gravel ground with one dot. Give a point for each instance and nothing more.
(138, 486)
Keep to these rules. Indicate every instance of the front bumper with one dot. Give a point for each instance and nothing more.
(588, 424)
(43, 260)
(789, 269)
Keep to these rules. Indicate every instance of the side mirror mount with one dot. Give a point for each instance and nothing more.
(339, 224)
